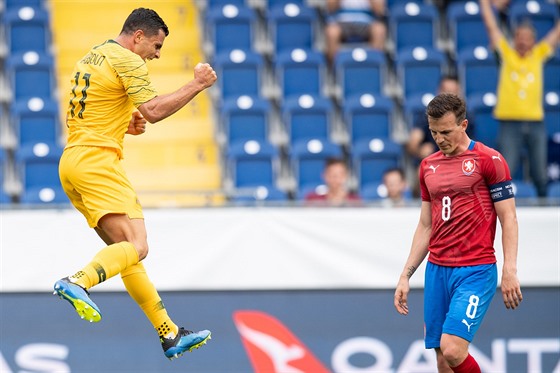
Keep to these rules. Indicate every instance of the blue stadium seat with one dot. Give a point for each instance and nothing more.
(31, 74)
(274, 3)
(552, 72)
(307, 117)
(252, 163)
(35, 120)
(262, 193)
(371, 158)
(44, 195)
(542, 15)
(466, 26)
(230, 27)
(245, 118)
(419, 69)
(553, 190)
(378, 191)
(38, 165)
(413, 24)
(524, 189)
(291, 26)
(300, 72)
(414, 106)
(359, 71)
(368, 116)
(11, 4)
(308, 157)
(481, 105)
(478, 70)
(240, 73)
(552, 112)
(553, 157)
(27, 28)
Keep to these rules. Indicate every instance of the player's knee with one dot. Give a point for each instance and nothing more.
(452, 353)
(142, 250)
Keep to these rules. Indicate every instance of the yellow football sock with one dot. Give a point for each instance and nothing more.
(108, 262)
(144, 293)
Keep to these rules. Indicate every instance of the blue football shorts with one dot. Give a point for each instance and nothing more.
(456, 300)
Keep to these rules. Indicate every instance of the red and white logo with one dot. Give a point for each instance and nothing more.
(273, 348)
(468, 166)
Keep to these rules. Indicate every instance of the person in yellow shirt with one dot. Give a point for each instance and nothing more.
(111, 95)
(519, 108)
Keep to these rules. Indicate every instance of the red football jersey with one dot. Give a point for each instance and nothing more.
(463, 214)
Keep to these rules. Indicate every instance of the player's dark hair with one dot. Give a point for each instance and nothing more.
(333, 160)
(447, 103)
(146, 20)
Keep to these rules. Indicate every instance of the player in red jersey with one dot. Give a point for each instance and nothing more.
(465, 187)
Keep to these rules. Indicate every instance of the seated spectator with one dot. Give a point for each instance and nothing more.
(420, 143)
(336, 193)
(354, 21)
(395, 181)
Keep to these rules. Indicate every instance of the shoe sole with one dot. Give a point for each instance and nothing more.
(83, 309)
(193, 347)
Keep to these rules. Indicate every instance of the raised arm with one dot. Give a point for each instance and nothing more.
(163, 106)
(511, 290)
(418, 251)
(553, 35)
(494, 32)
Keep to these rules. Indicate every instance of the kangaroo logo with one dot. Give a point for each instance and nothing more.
(468, 325)
(272, 348)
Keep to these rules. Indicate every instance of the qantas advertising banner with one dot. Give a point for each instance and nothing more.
(338, 331)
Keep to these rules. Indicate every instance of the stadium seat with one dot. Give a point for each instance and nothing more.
(524, 189)
(371, 158)
(553, 157)
(413, 24)
(368, 117)
(274, 3)
(27, 28)
(35, 120)
(478, 70)
(262, 193)
(378, 191)
(466, 27)
(252, 163)
(245, 118)
(359, 71)
(540, 14)
(240, 73)
(291, 26)
(31, 74)
(552, 72)
(307, 117)
(414, 107)
(11, 4)
(307, 159)
(482, 107)
(38, 165)
(552, 112)
(230, 27)
(419, 69)
(553, 190)
(300, 72)
(44, 195)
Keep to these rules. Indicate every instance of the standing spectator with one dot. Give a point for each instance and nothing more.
(519, 108)
(466, 187)
(337, 193)
(394, 181)
(354, 21)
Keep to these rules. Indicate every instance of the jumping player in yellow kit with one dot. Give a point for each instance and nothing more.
(112, 96)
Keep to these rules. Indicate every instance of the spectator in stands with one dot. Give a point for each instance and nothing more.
(394, 180)
(337, 193)
(519, 108)
(355, 21)
(109, 84)
(420, 142)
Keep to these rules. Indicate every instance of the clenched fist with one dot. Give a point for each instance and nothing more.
(205, 74)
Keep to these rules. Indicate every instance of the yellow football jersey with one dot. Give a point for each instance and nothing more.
(107, 84)
(520, 86)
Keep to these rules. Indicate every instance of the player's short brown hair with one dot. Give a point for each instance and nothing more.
(447, 103)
